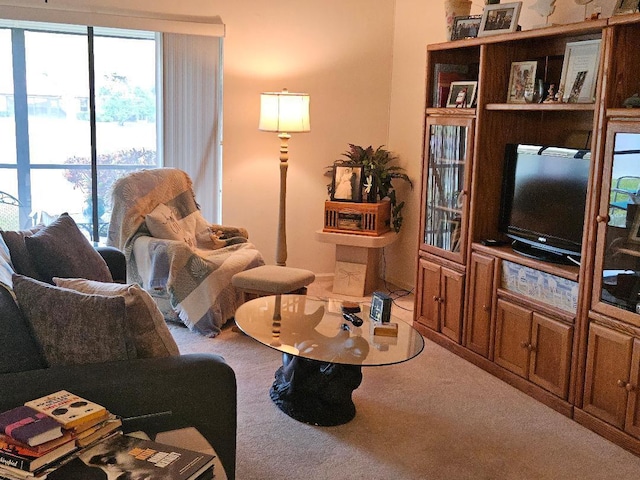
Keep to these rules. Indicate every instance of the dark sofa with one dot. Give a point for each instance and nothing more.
(150, 394)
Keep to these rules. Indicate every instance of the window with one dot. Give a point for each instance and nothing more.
(56, 155)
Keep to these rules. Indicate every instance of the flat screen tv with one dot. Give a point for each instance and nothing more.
(543, 200)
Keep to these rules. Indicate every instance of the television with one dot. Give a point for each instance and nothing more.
(544, 194)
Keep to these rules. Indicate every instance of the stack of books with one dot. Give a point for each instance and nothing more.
(65, 437)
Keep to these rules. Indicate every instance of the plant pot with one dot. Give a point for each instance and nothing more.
(453, 9)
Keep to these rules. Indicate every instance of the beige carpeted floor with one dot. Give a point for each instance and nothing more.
(434, 417)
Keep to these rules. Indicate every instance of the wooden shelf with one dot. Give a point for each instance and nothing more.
(459, 299)
(542, 107)
(463, 112)
(624, 113)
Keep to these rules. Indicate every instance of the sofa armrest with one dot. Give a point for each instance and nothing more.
(198, 390)
(116, 262)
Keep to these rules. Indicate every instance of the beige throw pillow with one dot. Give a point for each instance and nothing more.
(144, 321)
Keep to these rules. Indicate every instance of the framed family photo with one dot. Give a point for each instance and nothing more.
(499, 18)
(466, 27)
(579, 71)
(346, 185)
(462, 94)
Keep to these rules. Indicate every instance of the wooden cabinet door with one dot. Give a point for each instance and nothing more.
(428, 295)
(452, 295)
(550, 361)
(632, 424)
(478, 329)
(513, 337)
(607, 374)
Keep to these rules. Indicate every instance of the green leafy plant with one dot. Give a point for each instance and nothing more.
(379, 171)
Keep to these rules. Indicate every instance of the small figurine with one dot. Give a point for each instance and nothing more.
(551, 93)
(633, 101)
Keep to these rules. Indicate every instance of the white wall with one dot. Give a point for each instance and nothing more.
(364, 68)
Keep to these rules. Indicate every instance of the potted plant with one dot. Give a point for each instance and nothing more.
(379, 173)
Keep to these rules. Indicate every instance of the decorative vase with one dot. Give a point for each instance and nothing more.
(453, 9)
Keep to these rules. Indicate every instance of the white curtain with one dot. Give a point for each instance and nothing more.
(192, 114)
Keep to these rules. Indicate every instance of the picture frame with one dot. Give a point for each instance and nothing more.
(462, 94)
(522, 81)
(580, 71)
(499, 18)
(626, 6)
(466, 26)
(346, 185)
(380, 310)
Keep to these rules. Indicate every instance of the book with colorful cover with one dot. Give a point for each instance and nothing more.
(23, 458)
(138, 458)
(29, 426)
(67, 408)
(99, 431)
(43, 448)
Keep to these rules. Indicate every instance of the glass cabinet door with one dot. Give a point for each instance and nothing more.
(448, 150)
(618, 246)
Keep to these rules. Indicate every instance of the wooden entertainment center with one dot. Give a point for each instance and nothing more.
(568, 336)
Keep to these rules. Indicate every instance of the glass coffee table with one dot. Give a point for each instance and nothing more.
(322, 352)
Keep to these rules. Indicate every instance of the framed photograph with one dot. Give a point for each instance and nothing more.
(625, 6)
(499, 18)
(522, 81)
(380, 310)
(347, 183)
(580, 71)
(466, 27)
(462, 94)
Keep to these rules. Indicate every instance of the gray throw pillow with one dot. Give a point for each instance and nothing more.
(61, 250)
(144, 321)
(73, 327)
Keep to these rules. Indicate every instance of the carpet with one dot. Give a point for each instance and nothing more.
(433, 417)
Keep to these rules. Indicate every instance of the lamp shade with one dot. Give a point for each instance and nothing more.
(284, 112)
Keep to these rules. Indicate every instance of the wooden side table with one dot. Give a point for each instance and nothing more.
(357, 259)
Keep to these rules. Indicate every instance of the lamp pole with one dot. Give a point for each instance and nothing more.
(281, 241)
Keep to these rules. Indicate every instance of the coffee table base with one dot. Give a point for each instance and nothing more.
(318, 393)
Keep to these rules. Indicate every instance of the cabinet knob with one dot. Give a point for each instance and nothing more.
(436, 299)
(602, 219)
(621, 383)
(629, 387)
(524, 345)
(486, 308)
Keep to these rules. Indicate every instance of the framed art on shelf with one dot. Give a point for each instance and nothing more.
(521, 81)
(347, 183)
(499, 18)
(580, 71)
(626, 6)
(466, 27)
(462, 94)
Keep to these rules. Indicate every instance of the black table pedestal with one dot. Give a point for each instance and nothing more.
(314, 392)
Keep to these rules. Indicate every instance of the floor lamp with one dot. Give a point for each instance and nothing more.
(285, 113)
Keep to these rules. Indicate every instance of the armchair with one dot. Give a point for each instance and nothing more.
(183, 261)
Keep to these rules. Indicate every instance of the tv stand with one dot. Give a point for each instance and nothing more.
(539, 254)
